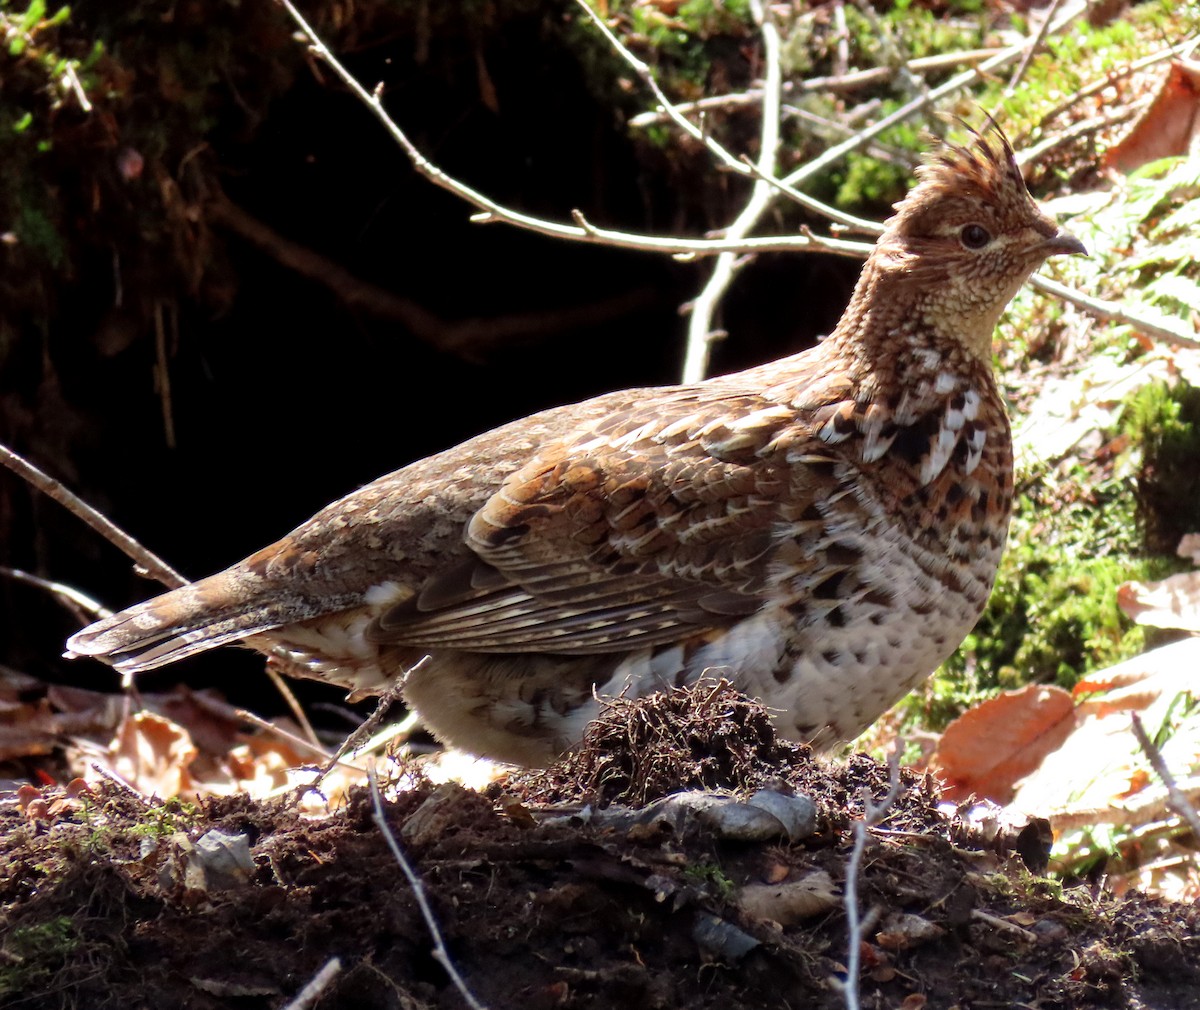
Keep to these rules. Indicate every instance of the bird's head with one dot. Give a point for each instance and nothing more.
(965, 238)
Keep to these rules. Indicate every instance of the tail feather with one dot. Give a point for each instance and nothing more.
(178, 624)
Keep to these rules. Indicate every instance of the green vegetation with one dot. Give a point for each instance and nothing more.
(31, 955)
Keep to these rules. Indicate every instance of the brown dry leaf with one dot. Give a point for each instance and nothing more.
(776, 872)
(1172, 603)
(152, 754)
(989, 748)
(913, 1001)
(1189, 547)
(26, 729)
(1098, 774)
(790, 902)
(1137, 683)
(1170, 125)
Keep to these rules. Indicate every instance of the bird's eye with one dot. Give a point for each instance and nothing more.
(975, 236)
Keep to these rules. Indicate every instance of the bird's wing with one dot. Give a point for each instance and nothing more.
(630, 530)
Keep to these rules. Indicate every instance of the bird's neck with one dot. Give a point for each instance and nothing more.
(895, 321)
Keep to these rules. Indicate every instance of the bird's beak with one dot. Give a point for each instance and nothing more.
(1063, 243)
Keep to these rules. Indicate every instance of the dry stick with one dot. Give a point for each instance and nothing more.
(823, 127)
(841, 35)
(955, 83)
(700, 332)
(583, 230)
(995, 921)
(838, 82)
(873, 813)
(1179, 802)
(146, 560)
(82, 606)
(162, 373)
(440, 953)
(643, 71)
(687, 248)
(315, 989)
(1038, 38)
(699, 339)
(1115, 75)
(1074, 132)
(1112, 312)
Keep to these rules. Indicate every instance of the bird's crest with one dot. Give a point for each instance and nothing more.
(984, 168)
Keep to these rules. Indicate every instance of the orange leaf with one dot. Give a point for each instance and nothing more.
(989, 748)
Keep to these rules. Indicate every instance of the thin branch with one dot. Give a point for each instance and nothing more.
(859, 224)
(956, 83)
(842, 82)
(1117, 74)
(465, 337)
(82, 606)
(1076, 130)
(1112, 312)
(665, 105)
(1179, 802)
(700, 333)
(582, 231)
(440, 954)
(996, 922)
(316, 986)
(146, 560)
(1038, 38)
(873, 813)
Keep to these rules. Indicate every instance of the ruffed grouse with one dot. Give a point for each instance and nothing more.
(822, 530)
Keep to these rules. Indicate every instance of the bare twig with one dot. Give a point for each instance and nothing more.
(281, 657)
(665, 105)
(873, 813)
(315, 989)
(844, 82)
(72, 84)
(1112, 312)
(440, 953)
(1073, 132)
(956, 83)
(1039, 37)
(465, 337)
(162, 372)
(994, 920)
(82, 606)
(841, 40)
(700, 333)
(583, 230)
(1179, 802)
(122, 783)
(146, 560)
(859, 224)
(1114, 75)
(360, 739)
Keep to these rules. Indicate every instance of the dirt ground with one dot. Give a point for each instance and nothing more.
(578, 887)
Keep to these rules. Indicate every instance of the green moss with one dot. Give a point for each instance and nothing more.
(31, 955)
(1082, 56)
(1166, 423)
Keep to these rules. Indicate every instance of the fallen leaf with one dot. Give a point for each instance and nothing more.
(1169, 125)
(790, 902)
(153, 754)
(989, 748)
(1173, 602)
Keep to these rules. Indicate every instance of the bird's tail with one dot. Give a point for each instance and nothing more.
(183, 622)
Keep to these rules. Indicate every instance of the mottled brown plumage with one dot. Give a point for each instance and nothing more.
(822, 530)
